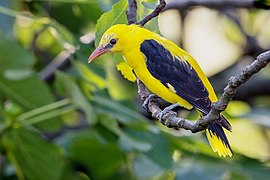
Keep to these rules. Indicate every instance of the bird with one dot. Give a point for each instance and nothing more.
(166, 70)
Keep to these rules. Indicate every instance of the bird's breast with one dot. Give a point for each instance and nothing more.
(137, 61)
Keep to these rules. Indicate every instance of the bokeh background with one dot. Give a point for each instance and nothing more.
(61, 118)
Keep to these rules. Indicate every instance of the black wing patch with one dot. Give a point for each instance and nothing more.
(178, 73)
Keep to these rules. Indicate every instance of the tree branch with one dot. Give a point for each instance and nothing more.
(153, 14)
(132, 11)
(216, 4)
(170, 120)
(59, 61)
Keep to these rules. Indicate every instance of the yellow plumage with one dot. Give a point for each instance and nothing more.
(132, 42)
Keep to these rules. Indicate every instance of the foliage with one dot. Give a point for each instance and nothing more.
(77, 125)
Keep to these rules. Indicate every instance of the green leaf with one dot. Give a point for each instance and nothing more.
(32, 157)
(216, 168)
(12, 109)
(122, 113)
(17, 74)
(69, 88)
(116, 16)
(82, 13)
(101, 159)
(13, 56)
(42, 116)
(19, 83)
(16, 64)
(29, 93)
(142, 12)
(145, 168)
(159, 144)
(118, 87)
(90, 76)
(126, 141)
(259, 115)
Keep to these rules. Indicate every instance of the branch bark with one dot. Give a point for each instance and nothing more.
(216, 4)
(132, 11)
(153, 14)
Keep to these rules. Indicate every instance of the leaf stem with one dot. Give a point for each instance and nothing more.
(46, 116)
(43, 109)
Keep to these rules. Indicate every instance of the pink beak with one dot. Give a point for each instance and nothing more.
(97, 52)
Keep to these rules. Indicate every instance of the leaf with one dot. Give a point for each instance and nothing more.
(145, 168)
(17, 85)
(16, 62)
(14, 56)
(101, 159)
(69, 88)
(18, 74)
(126, 141)
(25, 92)
(82, 13)
(29, 93)
(116, 16)
(259, 115)
(208, 168)
(142, 11)
(247, 131)
(118, 87)
(159, 144)
(32, 157)
(238, 108)
(90, 76)
(122, 113)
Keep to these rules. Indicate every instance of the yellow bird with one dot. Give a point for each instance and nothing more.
(166, 70)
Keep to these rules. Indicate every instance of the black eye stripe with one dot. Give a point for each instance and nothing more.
(108, 46)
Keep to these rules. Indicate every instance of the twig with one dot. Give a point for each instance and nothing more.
(142, 90)
(59, 61)
(153, 14)
(131, 12)
(255, 86)
(216, 4)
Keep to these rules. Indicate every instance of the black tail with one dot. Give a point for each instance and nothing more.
(224, 123)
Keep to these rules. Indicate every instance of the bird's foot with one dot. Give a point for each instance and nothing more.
(148, 100)
(165, 111)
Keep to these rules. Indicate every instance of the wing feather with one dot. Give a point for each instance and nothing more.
(176, 72)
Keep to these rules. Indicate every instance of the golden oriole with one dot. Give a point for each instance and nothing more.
(166, 70)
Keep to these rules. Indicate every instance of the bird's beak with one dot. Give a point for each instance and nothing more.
(97, 52)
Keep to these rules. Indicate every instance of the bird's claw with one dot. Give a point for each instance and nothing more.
(148, 100)
(166, 111)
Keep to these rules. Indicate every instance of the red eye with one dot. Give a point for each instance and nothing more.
(113, 41)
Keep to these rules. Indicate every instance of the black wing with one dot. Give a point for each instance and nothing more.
(176, 72)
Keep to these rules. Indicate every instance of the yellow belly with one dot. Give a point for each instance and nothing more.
(159, 89)
(136, 60)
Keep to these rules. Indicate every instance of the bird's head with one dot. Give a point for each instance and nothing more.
(113, 40)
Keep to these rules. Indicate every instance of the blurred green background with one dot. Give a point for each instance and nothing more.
(61, 118)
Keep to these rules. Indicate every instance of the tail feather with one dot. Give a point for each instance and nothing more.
(224, 123)
(218, 140)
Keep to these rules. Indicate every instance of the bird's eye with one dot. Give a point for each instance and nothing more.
(113, 41)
